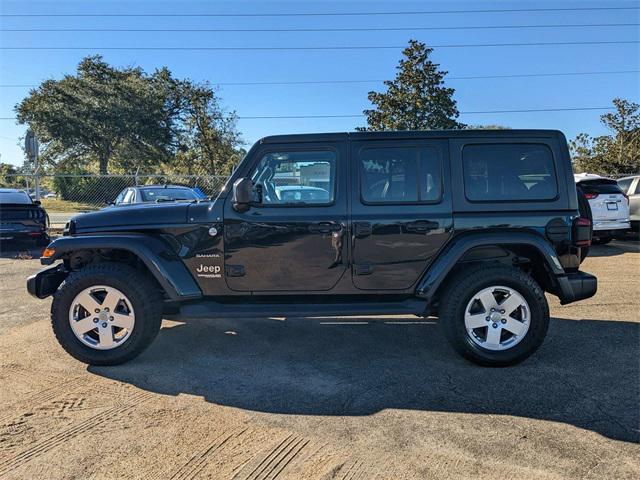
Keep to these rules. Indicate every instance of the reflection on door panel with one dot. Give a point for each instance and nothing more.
(399, 217)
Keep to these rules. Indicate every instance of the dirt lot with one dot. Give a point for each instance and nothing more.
(327, 398)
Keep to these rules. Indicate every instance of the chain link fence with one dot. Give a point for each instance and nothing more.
(65, 195)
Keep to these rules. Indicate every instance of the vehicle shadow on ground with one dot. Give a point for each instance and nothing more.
(618, 247)
(586, 373)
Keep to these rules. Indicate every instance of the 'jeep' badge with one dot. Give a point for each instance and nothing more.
(208, 271)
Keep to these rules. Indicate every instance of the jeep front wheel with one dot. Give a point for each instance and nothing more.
(106, 314)
(494, 315)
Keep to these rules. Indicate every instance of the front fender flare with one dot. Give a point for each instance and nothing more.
(163, 263)
(449, 257)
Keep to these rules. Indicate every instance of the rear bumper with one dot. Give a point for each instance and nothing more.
(19, 231)
(577, 286)
(599, 225)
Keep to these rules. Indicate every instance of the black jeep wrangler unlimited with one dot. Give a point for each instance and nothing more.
(470, 226)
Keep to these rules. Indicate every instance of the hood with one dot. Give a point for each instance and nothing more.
(134, 214)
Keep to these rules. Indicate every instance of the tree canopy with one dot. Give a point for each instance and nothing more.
(616, 153)
(109, 119)
(416, 99)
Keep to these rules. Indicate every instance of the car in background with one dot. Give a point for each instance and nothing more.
(22, 218)
(631, 187)
(609, 206)
(157, 193)
(301, 193)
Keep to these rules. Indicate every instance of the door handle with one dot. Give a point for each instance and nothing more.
(421, 226)
(325, 227)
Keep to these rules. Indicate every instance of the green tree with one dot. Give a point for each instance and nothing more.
(122, 119)
(416, 99)
(613, 154)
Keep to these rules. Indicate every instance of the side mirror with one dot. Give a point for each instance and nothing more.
(242, 194)
(37, 202)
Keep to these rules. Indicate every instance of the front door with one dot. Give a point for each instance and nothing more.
(401, 212)
(294, 239)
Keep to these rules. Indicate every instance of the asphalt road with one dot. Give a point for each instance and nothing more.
(327, 398)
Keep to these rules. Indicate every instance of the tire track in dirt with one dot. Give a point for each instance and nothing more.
(198, 462)
(277, 459)
(82, 427)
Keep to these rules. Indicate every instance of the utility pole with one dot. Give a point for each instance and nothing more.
(31, 145)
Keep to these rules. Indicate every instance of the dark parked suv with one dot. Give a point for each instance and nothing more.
(470, 226)
(22, 218)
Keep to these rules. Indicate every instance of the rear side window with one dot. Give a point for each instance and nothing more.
(625, 184)
(509, 172)
(400, 175)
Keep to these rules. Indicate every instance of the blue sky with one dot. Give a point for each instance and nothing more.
(32, 66)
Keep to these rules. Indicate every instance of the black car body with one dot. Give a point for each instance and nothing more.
(406, 214)
(21, 218)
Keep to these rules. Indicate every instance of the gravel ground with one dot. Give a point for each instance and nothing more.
(326, 398)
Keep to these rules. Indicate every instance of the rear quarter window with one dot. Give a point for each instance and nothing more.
(509, 172)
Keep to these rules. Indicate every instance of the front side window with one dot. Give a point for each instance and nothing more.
(509, 172)
(296, 177)
(400, 175)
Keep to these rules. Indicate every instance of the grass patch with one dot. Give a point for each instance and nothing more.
(56, 205)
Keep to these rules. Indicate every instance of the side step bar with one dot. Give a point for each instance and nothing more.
(211, 309)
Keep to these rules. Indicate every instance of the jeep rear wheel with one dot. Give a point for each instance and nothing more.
(494, 315)
(106, 314)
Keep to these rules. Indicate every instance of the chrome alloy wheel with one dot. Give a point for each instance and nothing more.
(497, 318)
(101, 317)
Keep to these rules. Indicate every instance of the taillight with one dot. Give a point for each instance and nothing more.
(590, 196)
(582, 232)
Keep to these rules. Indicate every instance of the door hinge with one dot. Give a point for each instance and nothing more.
(234, 270)
(363, 269)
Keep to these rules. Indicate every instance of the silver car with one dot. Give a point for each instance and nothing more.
(631, 187)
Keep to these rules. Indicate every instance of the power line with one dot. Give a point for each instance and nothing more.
(530, 110)
(320, 82)
(267, 30)
(358, 115)
(318, 14)
(330, 48)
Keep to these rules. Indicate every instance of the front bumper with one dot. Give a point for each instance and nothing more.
(577, 286)
(46, 281)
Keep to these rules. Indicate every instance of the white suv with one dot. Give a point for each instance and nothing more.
(609, 206)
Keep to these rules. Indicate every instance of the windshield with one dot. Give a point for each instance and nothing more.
(164, 194)
(15, 197)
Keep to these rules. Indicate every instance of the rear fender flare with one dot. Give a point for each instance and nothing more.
(458, 247)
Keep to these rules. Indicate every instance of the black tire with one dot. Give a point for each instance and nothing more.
(467, 283)
(43, 241)
(140, 290)
(601, 240)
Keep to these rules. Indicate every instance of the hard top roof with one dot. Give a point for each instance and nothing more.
(408, 134)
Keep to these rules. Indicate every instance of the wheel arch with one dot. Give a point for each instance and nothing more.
(151, 253)
(528, 251)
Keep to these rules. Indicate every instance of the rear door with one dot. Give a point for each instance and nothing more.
(401, 210)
